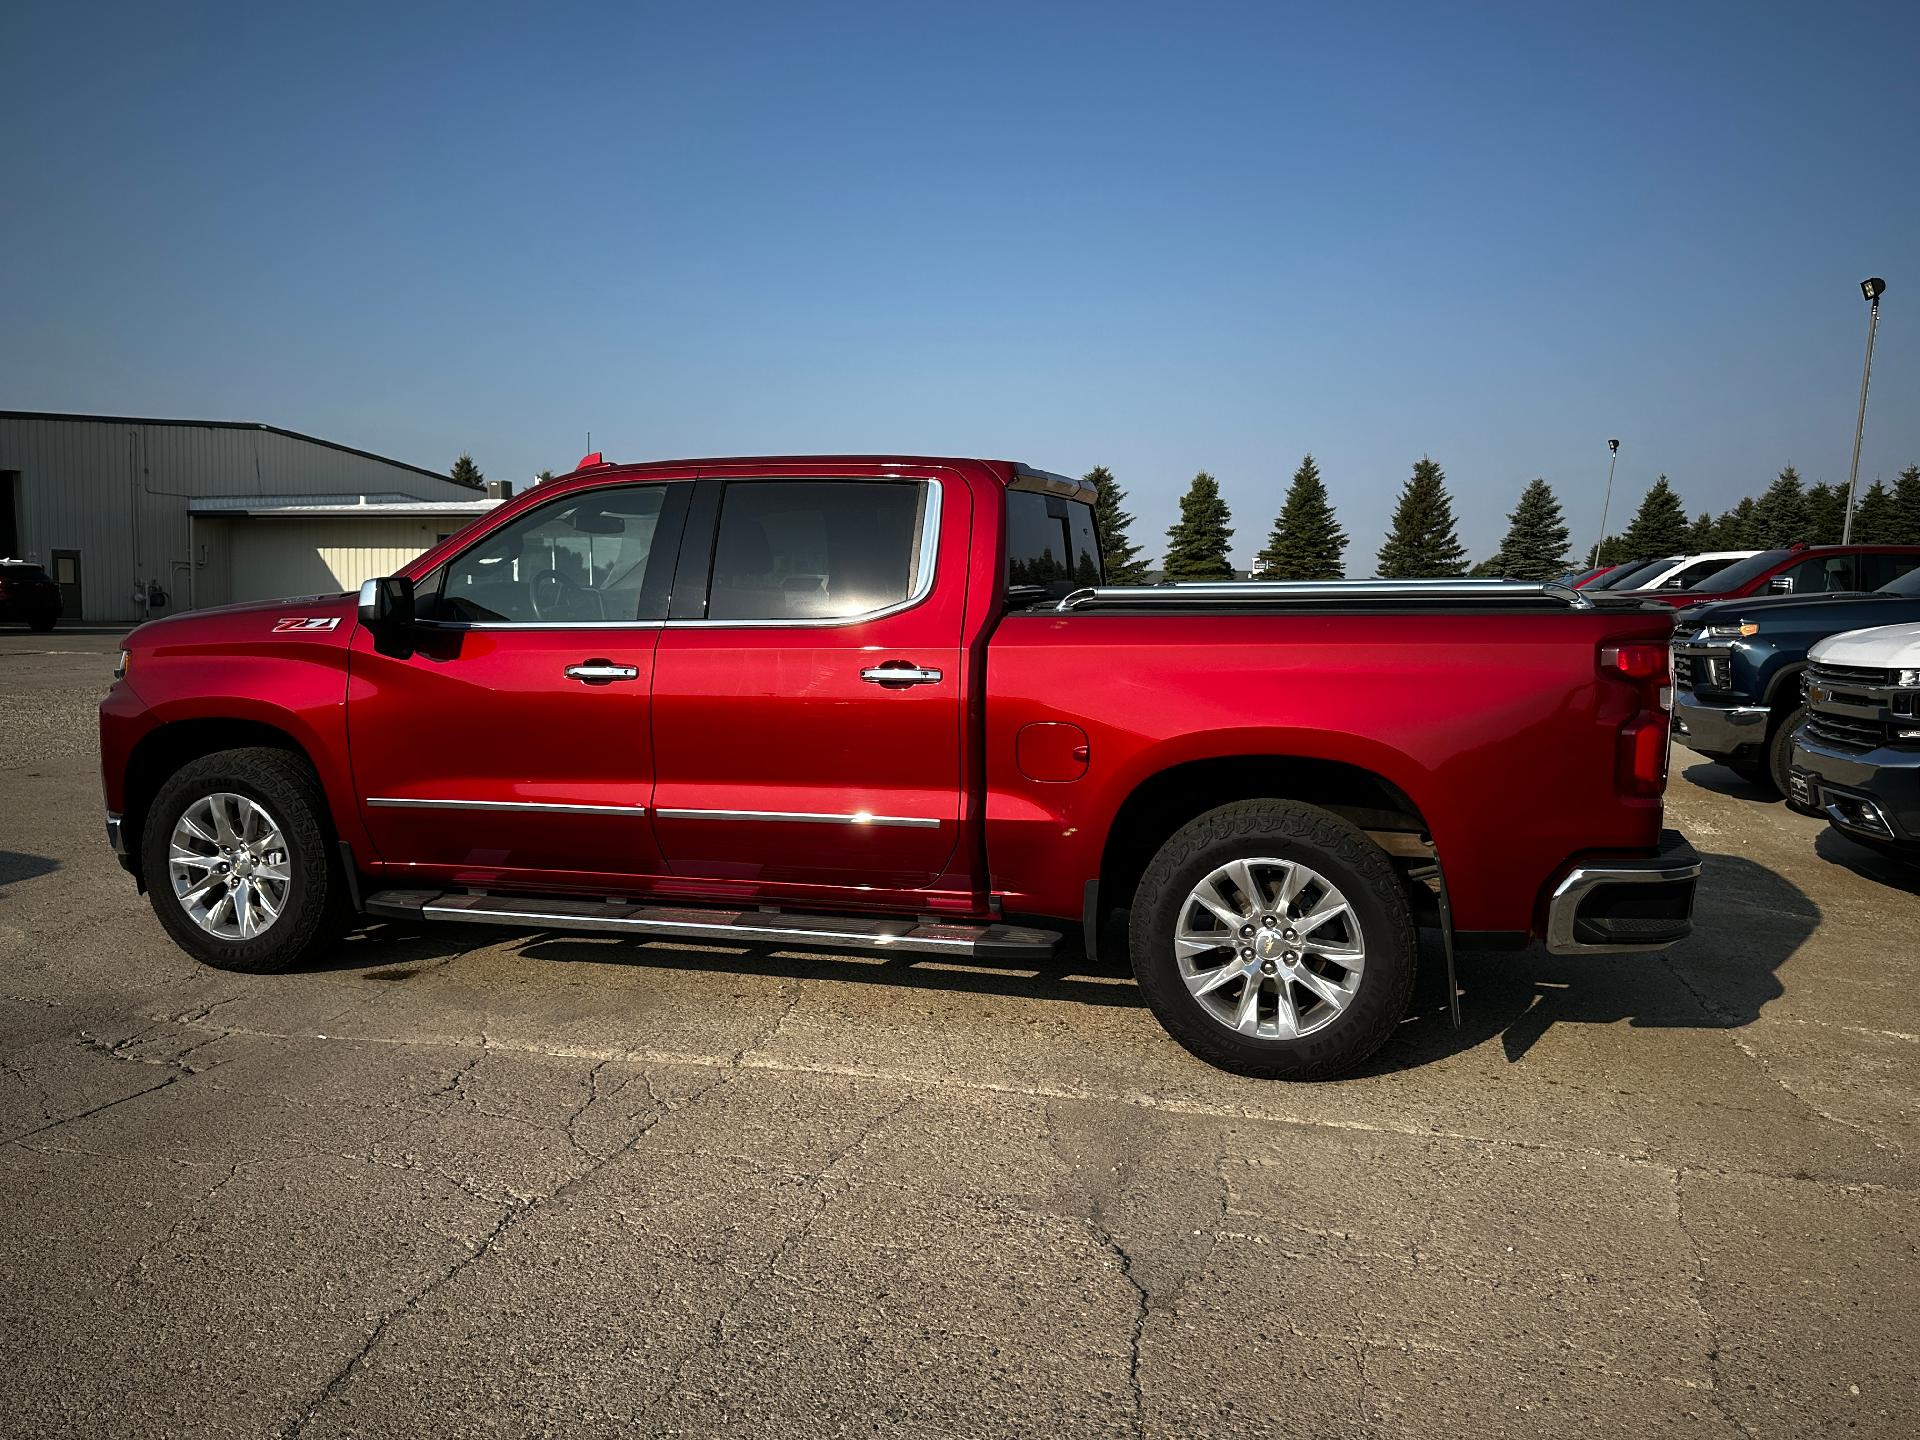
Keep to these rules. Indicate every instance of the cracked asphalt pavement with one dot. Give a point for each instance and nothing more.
(465, 1181)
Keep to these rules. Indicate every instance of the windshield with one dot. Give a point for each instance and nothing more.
(1639, 575)
(1907, 584)
(1740, 572)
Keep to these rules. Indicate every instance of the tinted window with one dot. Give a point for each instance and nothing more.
(1818, 575)
(1639, 575)
(1051, 546)
(579, 559)
(817, 549)
(22, 572)
(1740, 572)
(1879, 570)
(1698, 570)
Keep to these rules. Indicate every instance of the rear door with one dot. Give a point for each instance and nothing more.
(808, 687)
(509, 736)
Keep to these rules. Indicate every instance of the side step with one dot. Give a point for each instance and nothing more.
(760, 927)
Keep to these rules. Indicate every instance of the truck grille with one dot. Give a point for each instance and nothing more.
(1683, 672)
(1859, 707)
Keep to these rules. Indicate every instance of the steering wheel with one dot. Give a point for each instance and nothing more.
(555, 595)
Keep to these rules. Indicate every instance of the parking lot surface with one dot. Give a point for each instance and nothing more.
(474, 1182)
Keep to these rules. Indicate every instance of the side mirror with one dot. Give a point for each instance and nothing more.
(387, 603)
(1781, 584)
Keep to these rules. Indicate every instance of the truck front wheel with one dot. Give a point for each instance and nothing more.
(1273, 939)
(234, 849)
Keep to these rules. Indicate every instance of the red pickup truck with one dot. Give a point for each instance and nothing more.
(886, 702)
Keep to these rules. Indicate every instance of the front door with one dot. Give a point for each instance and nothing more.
(508, 736)
(66, 574)
(807, 694)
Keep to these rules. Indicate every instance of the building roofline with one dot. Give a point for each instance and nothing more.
(230, 425)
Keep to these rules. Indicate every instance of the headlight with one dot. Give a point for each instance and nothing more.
(1906, 677)
(1730, 632)
(122, 665)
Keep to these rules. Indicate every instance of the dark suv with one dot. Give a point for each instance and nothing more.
(1737, 664)
(28, 593)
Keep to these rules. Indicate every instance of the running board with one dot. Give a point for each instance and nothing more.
(726, 927)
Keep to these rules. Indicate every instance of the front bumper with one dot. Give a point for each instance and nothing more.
(1873, 795)
(1616, 905)
(1718, 729)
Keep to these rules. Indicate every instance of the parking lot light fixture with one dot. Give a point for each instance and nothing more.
(1613, 452)
(1873, 287)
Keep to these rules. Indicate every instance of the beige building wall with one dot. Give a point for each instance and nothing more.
(269, 557)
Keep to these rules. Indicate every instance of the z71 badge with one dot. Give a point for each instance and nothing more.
(307, 622)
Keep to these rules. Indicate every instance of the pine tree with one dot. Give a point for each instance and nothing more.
(1536, 543)
(1307, 542)
(1906, 506)
(543, 477)
(1422, 544)
(1735, 529)
(1700, 534)
(1197, 545)
(1826, 510)
(1780, 515)
(1660, 525)
(467, 473)
(1876, 519)
(1119, 556)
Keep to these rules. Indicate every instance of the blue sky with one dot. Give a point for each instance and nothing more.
(1163, 238)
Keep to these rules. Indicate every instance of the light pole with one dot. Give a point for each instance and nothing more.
(1613, 450)
(1873, 289)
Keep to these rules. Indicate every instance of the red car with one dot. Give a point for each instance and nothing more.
(1798, 570)
(886, 703)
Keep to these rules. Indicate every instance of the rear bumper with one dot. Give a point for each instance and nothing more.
(1718, 729)
(1873, 795)
(1623, 905)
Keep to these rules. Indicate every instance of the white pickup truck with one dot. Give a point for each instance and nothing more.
(1856, 757)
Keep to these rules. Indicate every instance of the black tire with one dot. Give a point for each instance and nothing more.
(41, 623)
(286, 785)
(1283, 830)
(1780, 750)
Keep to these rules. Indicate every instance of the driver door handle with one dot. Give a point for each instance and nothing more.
(900, 672)
(601, 672)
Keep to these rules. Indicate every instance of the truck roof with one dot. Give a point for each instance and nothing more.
(1007, 472)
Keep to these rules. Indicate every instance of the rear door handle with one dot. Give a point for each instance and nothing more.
(601, 672)
(900, 672)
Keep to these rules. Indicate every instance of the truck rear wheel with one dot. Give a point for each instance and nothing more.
(1273, 939)
(234, 851)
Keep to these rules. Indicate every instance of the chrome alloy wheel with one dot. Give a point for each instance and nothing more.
(1270, 948)
(229, 865)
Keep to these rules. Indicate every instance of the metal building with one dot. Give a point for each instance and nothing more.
(143, 516)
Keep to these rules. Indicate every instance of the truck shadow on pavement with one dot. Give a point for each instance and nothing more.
(18, 865)
(1717, 779)
(1747, 921)
(1865, 861)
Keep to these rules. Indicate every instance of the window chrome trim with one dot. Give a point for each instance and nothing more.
(927, 560)
(804, 817)
(539, 624)
(404, 802)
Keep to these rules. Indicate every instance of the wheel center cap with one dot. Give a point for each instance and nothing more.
(1268, 944)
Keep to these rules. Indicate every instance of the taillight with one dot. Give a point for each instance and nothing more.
(1640, 763)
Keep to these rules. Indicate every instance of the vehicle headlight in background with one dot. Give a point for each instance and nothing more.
(122, 665)
(1730, 632)
(1906, 677)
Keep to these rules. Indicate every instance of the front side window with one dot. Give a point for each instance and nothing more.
(1739, 572)
(819, 549)
(581, 559)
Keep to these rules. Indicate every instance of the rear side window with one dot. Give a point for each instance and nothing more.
(820, 549)
(1052, 547)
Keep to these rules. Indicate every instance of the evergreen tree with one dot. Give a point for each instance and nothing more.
(1700, 534)
(1487, 569)
(1536, 543)
(1906, 506)
(1307, 542)
(1613, 550)
(1422, 544)
(1876, 520)
(467, 473)
(1826, 507)
(1735, 529)
(543, 477)
(1660, 525)
(1197, 544)
(1119, 556)
(1780, 515)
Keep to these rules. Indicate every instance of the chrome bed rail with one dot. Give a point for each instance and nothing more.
(1261, 594)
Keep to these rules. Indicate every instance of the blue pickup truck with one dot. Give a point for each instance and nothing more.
(1737, 666)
